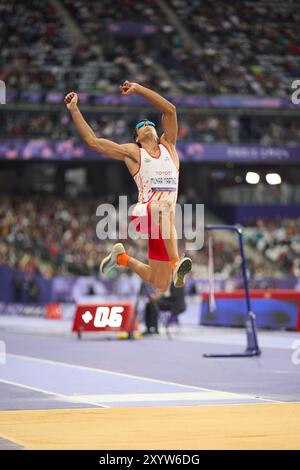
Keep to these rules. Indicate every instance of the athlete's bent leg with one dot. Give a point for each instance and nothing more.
(168, 231)
(119, 257)
(142, 269)
(162, 213)
(161, 272)
(157, 274)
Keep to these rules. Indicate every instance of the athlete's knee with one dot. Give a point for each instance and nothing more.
(162, 290)
(161, 286)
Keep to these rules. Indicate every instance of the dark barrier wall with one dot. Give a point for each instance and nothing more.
(16, 286)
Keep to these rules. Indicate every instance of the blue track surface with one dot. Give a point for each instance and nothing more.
(55, 370)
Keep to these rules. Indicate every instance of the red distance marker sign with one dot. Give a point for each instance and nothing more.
(105, 317)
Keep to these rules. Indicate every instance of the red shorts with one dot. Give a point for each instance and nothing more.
(156, 245)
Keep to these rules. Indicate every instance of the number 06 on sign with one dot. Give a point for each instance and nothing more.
(118, 318)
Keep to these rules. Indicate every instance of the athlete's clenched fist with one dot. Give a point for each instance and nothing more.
(71, 100)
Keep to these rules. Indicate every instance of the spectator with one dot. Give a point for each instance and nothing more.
(33, 291)
(172, 302)
(17, 288)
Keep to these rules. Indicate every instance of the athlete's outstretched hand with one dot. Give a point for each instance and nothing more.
(128, 88)
(71, 100)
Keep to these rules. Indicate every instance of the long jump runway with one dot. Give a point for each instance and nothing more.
(60, 393)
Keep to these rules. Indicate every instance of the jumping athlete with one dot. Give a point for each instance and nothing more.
(154, 164)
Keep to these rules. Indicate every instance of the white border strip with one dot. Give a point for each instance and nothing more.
(136, 377)
(160, 397)
(65, 398)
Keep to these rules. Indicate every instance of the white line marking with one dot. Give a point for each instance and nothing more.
(59, 395)
(12, 439)
(166, 397)
(136, 377)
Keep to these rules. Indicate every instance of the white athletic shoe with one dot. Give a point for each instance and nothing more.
(110, 261)
(182, 268)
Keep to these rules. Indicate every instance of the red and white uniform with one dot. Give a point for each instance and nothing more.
(156, 179)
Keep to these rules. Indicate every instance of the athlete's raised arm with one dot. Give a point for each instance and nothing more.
(168, 110)
(107, 147)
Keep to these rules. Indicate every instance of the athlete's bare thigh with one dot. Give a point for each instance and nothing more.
(161, 272)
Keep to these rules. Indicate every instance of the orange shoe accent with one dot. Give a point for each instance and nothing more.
(174, 261)
(122, 259)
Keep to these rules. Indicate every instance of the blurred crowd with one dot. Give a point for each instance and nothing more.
(247, 48)
(110, 56)
(55, 236)
(49, 235)
(279, 241)
(35, 46)
(118, 127)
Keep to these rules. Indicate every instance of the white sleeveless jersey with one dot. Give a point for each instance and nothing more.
(156, 179)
